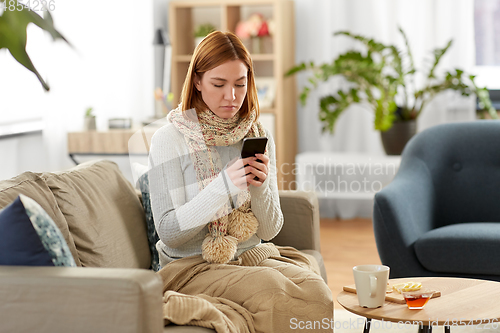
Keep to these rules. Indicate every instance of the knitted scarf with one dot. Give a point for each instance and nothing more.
(202, 132)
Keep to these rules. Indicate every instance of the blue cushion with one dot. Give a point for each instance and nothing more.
(153, 238)
(465, 248)
(29, 237)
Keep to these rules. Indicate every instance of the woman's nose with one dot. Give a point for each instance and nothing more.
(229, 94)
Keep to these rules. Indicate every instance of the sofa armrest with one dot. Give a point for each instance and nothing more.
(63, 299)
(301, 220)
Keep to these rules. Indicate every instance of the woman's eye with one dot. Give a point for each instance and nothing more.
(240, 85)
(218, 86)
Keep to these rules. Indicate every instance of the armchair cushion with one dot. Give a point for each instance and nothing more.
(104, 215)
(464, 248)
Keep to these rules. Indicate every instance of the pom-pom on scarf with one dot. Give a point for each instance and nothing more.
(202, 132)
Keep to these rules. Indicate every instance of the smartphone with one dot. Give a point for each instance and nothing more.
(252, 146)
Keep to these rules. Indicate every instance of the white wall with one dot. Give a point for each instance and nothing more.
(9, 158)
(108, 67)
(22, 153)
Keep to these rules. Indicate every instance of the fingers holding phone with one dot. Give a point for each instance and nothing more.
(238, 171)
(259, 169)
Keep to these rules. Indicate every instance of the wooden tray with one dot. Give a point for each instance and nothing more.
(393, 296)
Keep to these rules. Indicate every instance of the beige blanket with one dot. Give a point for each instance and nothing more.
(268, 289)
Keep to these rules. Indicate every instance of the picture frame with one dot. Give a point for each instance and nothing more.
(266, 91)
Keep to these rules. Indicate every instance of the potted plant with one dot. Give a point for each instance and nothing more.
(384, 78)
(202, 31)
(89, 121)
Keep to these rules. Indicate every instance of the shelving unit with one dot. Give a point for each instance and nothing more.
(277, 57)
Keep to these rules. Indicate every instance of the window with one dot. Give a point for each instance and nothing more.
(487, 40)
(487, 32)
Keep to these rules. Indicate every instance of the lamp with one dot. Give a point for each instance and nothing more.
(163, 56)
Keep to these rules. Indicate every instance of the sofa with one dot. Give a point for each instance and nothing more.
(101, 217)
(440, 215)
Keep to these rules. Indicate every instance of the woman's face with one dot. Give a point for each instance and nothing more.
(224, 88)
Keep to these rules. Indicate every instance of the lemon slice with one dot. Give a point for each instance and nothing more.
(408, 286)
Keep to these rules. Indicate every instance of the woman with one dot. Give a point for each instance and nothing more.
(213, 209)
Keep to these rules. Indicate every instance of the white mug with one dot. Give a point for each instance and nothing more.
(371, 284)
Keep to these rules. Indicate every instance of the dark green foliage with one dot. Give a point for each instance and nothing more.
(377, 75)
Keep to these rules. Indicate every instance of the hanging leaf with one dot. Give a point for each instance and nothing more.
(13, 36)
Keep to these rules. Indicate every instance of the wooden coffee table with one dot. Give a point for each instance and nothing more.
(462, 302)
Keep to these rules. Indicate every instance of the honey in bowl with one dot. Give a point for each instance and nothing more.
(415, 300)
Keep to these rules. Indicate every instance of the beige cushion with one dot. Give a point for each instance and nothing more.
(31, 185)
(104, 215)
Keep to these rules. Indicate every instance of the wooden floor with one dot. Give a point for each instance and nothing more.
(345, 244)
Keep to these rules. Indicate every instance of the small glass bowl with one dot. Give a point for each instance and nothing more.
(415, 300)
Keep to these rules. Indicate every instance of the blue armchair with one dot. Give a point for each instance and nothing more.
(441, 214)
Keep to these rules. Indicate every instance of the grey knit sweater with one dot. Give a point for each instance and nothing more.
(182, 212)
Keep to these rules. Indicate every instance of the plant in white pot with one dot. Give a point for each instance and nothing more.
(202, 31)
(89, 120)
(376, 77)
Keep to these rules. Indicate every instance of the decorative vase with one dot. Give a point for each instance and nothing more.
(89, 124)
(257, 45)
(395, 139)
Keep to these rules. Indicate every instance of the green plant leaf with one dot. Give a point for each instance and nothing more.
(89, 112)
(13, 25)
(304, 95)
(408, 52)
(438, 54)
(371, 44)
(295, 69)
(484, 99)
(354, 95)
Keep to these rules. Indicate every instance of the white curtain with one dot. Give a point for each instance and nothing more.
(427, 23)
(109, 68)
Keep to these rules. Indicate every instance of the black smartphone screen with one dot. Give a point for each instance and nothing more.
(252, 146)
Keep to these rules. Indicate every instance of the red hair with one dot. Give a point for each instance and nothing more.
(215, 49)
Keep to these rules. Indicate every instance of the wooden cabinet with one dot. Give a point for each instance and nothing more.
(276, 57)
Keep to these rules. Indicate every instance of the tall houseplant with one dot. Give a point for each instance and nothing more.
(14, 19)
(384, 77)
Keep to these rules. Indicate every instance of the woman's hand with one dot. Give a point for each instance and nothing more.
(237, 172)
(258, 169)
(243, 171)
